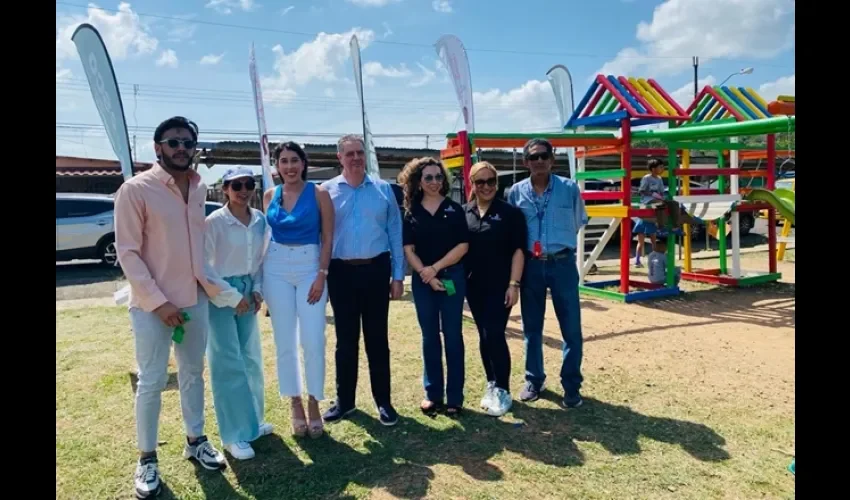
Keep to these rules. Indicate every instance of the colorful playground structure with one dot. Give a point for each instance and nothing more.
(715, 121)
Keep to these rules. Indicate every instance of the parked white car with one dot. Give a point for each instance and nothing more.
(85, 227)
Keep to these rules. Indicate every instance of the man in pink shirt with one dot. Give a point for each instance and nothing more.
(159, 232)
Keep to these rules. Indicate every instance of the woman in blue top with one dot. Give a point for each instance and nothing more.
(300, 216)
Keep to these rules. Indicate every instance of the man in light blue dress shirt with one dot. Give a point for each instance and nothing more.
(366, 271)
(554, 212)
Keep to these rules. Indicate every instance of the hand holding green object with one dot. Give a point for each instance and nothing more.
(450, 287)
(177, 336)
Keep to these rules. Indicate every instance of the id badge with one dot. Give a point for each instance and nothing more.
(537, 249)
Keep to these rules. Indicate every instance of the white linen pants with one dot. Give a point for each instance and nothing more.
(153, 347)
(288, 274)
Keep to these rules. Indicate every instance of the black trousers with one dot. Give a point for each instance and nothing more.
(487, 303)
(361, 292)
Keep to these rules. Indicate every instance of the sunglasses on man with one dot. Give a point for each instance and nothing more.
(249, 185)
(173, 143)
(539, 156)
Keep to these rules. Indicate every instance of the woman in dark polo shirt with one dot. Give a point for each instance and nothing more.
(435, 240)
(497, 234)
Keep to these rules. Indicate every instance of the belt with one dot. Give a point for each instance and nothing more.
(361, 262)
(553, 256)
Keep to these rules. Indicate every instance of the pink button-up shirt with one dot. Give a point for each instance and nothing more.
(160, 239)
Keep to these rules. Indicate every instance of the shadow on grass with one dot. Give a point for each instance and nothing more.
(399, 459)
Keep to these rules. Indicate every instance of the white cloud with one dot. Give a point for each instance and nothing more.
(373, 70)
(180, 29)
(371, 3)
(387, 30)
(286, 10)
(62, 74)
(529, 107)
(318, 59)
(123, 33)
(211, 59)
(782, 86)
(684, 95)
(443, 6)
(329, 92)
(680, 29)
(227, 6)
(427, 77)
(168, 59)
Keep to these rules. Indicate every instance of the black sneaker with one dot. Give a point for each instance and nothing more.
(572, 400)
(147, 478)
(529, 393)
(387, 415)
(336, 413)
(205, 453)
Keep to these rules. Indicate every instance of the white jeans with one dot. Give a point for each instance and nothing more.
(288, 273)
(153, 346)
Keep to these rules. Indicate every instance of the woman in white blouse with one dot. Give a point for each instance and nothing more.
(235, 241)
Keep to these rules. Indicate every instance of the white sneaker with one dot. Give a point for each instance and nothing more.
(241, 450)
(501, 403)
(205, 453)
(489, 395)
(146, 478)
(266, 429)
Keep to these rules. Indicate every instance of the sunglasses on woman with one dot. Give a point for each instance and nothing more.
(481, 182)
(249, 185)
(433, 178)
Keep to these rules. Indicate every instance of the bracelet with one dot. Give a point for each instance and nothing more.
(324, 271)
(514, 283)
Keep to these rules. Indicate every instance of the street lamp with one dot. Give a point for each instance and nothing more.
(745, 71)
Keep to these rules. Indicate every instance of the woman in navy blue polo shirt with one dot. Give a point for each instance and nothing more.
(497, 237)
(435, 240)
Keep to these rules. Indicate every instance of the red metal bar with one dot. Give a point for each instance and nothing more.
(614, 92)
(751, 207)
(641, 212)
(666, 117)
(709, 278)
(626, 193)
(592, 104)
(637, 95)
(695, 192)
(706, 171)
(696, 102)
(463, 138)
(771, 212)
(725, 104)
(601, 195)
(669, 99)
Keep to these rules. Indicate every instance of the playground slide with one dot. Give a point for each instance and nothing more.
(780, 199)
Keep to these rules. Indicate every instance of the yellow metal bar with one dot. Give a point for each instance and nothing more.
(747, 102)
(455, 162)
(657, 107)
(686, 190)
(658, 97)
(618, 211)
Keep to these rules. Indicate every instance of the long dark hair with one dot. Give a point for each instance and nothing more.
(295, 148)
(411, 178)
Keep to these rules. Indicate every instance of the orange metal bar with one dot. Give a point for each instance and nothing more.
(781, 108)
(451, 151)
(603, 151)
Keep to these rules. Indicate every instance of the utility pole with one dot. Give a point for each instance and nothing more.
(696, 76)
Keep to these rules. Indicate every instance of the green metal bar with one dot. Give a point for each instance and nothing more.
(725, 95)
(600, 106)
(601, 174)
(715, 145)
(705, 100)
(603, 294)
(611, 106)
(672, 189)
(775, 125)
(712, 122)
(759, 280)
(721, 223)
(453, 135)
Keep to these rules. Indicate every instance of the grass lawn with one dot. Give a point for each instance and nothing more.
(650, 427)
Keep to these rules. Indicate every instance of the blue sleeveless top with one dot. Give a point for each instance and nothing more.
(302, 225)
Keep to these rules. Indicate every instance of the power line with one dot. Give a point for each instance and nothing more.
(96, 127)
(396, 43)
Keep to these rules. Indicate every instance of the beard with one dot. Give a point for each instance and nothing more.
(170, 163)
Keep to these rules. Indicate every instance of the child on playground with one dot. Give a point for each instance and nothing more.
(657, 267)
(651, 191)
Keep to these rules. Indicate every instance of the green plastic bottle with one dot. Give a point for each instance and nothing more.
(179, 331)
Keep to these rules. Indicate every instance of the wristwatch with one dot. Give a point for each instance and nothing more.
(324, 271)
(514, 283)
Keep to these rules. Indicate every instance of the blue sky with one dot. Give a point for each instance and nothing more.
(191, 58)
